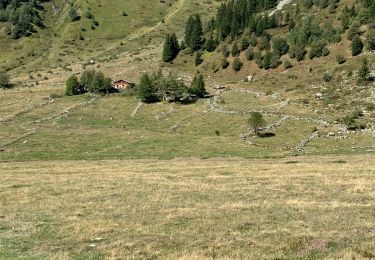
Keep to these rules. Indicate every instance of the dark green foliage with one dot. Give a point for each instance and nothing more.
(159, 87)
(330, 34)
(4, 80)
(340, 59)
(256, 121)
(225, 51)
(235, 50)
(325, 51)
(72, 86)
(21, 16)
(363, 73)
(237, 64)
(357, 45)
(370, 37)
(267, 60)
(258, 59)
(353, 30)
(224, 63)
(198, 58)
(297, 52)
(327, 77)
(323, 4)
(194, 33)
(287, 64)
(73, 14)
(308, 32)
(266, 39)
(234, 16)
(275, 61)
(280, 46)
(210, 44)
(253, 40)
(95, 82)
(317, 49)
(171, 48)
(198, 86)
(249, 54)
(146, 90)
(244, 43)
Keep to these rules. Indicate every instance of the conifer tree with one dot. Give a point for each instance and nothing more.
(198, 86)
(210, 44)
(72, 86)
(146, 92)
(194, 33)
(363, 72)
(235, 50)
(168, 54)
(171, 48)
(198, 58)
(357, 45)
(237, 64)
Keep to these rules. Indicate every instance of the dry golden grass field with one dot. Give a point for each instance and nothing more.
(292, 208)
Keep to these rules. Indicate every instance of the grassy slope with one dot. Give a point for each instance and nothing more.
(310, 208)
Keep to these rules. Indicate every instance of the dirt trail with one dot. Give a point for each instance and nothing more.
(169, 16)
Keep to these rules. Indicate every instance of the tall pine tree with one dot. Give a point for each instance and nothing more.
(194, 33)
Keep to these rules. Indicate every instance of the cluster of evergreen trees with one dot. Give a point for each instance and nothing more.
(90, 81)
(21, 16)
(235, 16)
(239, 22)
(157, 87)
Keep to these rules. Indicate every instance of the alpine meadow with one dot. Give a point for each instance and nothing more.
(187, 129)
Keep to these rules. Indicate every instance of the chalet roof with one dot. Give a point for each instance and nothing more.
(123, 80)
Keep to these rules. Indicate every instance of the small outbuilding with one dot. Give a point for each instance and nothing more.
(123, 84)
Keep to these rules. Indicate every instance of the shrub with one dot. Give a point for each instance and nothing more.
(224, 63)
(363, 72)
(275, 61)
(237, 64)
(340, 59)
(72, 86)
(357, 45)
(280, 46)
(244, 43)
(287, 64)
(235, 50)
(198, 58)
(249, 54)
(327, 77)
(225, 51)
(370, 36)
(4, 80)
(325, 51)
(198, 86)
(317, 49)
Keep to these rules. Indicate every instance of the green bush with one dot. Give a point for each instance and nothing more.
(327, 77)
(287, 64)
(72, 86)
(357, 45)
(4, 80)
(237, 64)
(340, 59)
